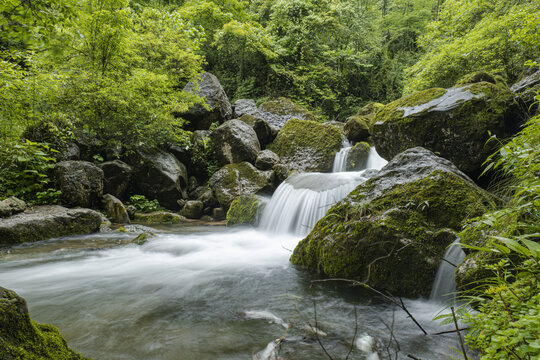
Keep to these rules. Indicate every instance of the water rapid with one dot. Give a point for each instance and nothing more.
(340, 160)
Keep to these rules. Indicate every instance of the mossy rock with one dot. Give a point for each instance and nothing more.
(481, 76)
(234, 180)
(244, 209)
(392, 231)
(283, 106)
(357, 128)
(307, 145)
(22, 338)
(358, 157)
(159, 217)
(456, 123)
(370, 110)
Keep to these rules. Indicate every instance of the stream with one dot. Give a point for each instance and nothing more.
(205, 292)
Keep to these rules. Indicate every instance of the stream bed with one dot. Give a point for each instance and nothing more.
(200, 292)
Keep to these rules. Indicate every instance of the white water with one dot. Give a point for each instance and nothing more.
(340, 161)
(444, 286)
(300, 201)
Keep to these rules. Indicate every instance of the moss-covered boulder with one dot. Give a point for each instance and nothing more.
(481, 76)
(358, 157)
(286, 107)
(357, 128)
(21, 338)
(266, 160)
(234, 180)
(115, 209)
(158, 217)
(392, 231)
(245, 209)
(45, 222)
(307, 145)
(454, 122)
(370, 110)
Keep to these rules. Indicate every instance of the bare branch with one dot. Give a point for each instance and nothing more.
(459, 334)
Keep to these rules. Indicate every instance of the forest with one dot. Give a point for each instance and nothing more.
(118, 79)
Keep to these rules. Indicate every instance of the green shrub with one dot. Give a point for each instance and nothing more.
(143, 204)
(25, 171)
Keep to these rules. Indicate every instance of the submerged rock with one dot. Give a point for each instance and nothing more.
(45, 222)
(234, 180)
(22, 338)
(454, 122)
(392, 231)
(81, 183)
(234, 142)
(307, 145)
(219, 109)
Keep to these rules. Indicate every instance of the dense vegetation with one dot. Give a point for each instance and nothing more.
(114, 70)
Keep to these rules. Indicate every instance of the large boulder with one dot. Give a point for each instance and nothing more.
(45, 222)
(264, 132)
(117, 176)
(307, 145)
(11, 206)
(81, 183)
(219, 109)
(455, 122)
(266, 160)
(23, 338)
(392, 231)
(234, 180)
(159, 175)
(234, 142)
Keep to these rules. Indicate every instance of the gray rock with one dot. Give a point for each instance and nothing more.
(234, 180)
(81, 183)
(234, 142)
(266, 160)
(159, 175)
(357, 128)
(358, 157)
(45, 222)
(131, 210)
(527, 88)
(158, 217)
(265, 133)
(11, 206)
(117, 175)
(193, 209)
(244, 106)
(220, 109)
(206, 196)
(71, 152)
(282, 172)
(115, 209)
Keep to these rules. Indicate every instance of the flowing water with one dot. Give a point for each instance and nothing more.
(199, 292)
(340, 161)
(444, 286)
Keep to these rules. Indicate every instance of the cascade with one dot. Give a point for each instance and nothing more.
(444, 285)
(340, 161)
(303, 199)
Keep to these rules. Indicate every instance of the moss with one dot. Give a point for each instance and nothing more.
(358, 157)
(458, 132)
(160, 217)
(244, 209)
(481, 76)
(396, 240)
(248, 119)
(24, 339)
(284, 106)
(357, 128)
(307, 145)
(370, 109)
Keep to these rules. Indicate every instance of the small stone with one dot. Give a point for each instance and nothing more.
(193, 209)
(219, 213)
(266, 160)
(11, 206)
(115, 209)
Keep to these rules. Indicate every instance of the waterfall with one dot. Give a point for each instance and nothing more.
(300, 201)
(303, 199)
(340, 161)
(444, 285)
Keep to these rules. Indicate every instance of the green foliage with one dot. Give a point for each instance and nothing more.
(25, 171)
(507, 323)
(494, 36)
(143, 204)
